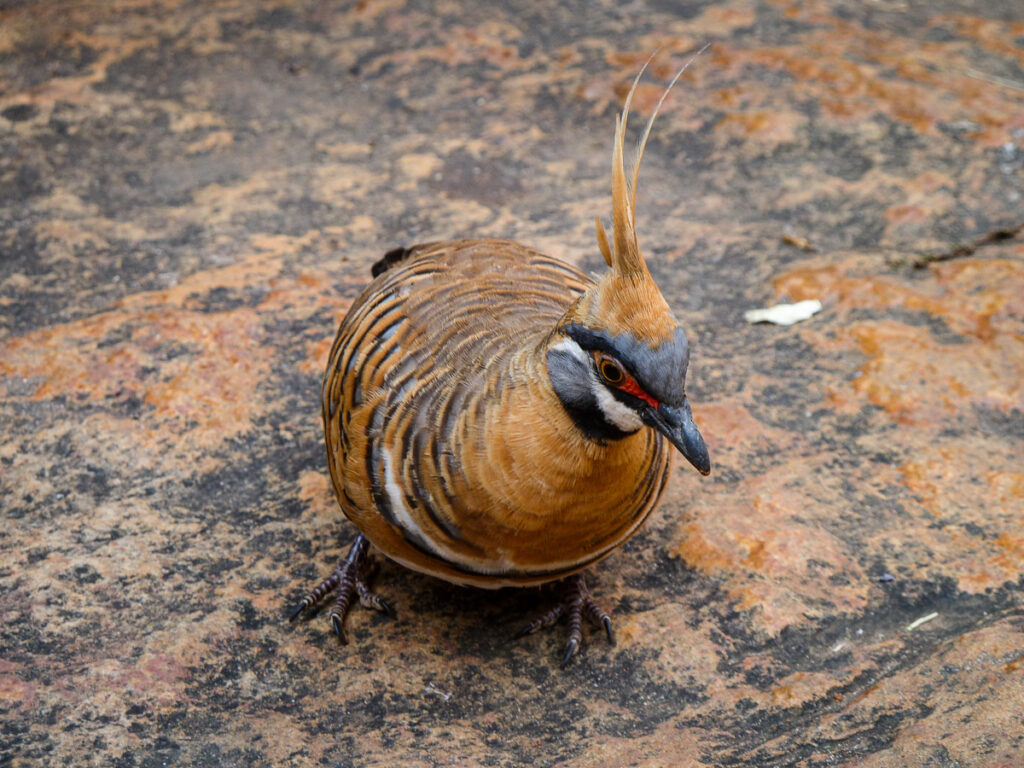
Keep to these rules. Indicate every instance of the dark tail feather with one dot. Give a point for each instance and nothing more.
(394, 256)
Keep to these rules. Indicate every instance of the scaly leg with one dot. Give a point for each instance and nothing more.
(350, 579)
(576, 603)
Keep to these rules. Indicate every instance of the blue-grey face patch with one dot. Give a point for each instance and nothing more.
(660, 370)
(571, 378)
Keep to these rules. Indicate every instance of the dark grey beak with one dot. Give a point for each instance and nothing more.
(678, 426)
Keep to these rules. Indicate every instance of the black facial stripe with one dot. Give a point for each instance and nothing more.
(661, 371)
(591, 422)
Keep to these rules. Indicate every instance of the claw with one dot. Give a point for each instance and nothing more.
(295, 614)
(570, 650)
(576, 602)
(608, 629)
(382, 606)
(339, 628)
(350, 579)
(370, 600)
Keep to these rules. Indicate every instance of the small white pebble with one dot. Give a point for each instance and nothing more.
(429, 688)
(784, 314)
(918, 622)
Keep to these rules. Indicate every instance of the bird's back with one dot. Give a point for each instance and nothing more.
(446, 443)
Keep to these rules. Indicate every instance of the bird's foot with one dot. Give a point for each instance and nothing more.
(350, 579)
(576, 602)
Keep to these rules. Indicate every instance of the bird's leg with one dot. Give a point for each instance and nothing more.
(576, 602)
(350, 578)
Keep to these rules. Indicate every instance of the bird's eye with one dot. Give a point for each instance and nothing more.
(610, 370)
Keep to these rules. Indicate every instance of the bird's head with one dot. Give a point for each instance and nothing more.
(618, 358)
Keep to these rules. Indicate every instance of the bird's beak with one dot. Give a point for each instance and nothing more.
(678, 426)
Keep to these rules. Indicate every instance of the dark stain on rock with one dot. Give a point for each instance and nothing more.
(18, 113)
(1008, 425)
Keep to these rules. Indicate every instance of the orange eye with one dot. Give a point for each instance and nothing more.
(610, 370)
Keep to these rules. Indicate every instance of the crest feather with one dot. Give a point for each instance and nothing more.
(625, 258)
(602, 241)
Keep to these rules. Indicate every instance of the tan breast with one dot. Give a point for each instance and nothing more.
(446, 443)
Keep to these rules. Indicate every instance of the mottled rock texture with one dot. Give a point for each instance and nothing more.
(192, 193)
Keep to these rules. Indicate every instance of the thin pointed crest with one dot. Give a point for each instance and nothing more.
(650, 124)
(625, 256)
(602, 241)
(626, 253)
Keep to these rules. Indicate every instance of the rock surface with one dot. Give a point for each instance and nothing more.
(191, 194)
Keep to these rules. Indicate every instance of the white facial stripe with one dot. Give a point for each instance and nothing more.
(569, 345)
(622, 416)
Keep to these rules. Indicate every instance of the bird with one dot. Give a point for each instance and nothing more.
(494, 417)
